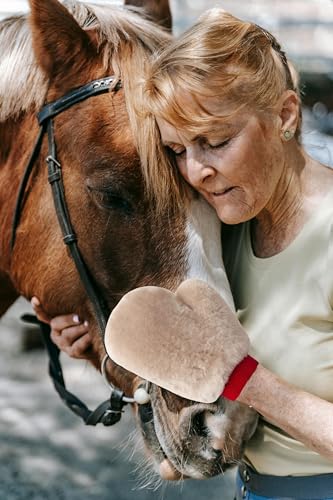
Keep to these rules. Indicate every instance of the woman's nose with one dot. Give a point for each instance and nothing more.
(198, 170)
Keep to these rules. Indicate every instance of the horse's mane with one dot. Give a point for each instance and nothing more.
(127, 40)
(22, 83)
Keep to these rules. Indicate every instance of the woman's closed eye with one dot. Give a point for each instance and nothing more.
(220, 144)
(179, 151)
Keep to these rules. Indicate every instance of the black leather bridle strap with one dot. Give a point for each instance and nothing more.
(23, 185)
(108, 412)
(50, 110)
(69, 237)
(95, 87)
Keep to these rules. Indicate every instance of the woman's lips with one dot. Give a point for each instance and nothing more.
(222, 192)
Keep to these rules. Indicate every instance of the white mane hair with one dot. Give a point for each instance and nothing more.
(23, 85)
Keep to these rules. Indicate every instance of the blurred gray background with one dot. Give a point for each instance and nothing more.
(45, 451)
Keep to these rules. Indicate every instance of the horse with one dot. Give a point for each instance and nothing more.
(125, 236)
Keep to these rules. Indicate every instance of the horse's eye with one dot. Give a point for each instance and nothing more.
(113, 200)
(116, 202)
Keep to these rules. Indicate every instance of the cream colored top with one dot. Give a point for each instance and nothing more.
(285, 303)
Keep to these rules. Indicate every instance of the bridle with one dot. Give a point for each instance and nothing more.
(109, 412)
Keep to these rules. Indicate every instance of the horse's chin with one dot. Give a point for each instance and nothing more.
(168, 471)
(181, 468)
(194, 442)
(196, 469)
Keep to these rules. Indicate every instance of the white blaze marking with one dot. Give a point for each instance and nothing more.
(204, 252)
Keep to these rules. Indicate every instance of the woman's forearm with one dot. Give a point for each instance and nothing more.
(303, 416)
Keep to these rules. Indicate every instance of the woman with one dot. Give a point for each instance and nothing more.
(223, 102)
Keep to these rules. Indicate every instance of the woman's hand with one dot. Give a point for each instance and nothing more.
(68, 332)
(189, 341)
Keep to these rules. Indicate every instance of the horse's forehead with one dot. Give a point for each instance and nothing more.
(103, 133)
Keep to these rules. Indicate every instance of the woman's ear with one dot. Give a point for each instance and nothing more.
(289, 114)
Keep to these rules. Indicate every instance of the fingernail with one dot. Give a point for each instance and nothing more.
(35, 301)
(86, 323)
(76, 318)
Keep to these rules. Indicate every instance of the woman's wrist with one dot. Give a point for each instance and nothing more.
(255, 389)
(239, 378)
(305, 417)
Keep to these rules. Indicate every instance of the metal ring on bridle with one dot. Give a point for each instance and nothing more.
(108, 383)
(141, 395)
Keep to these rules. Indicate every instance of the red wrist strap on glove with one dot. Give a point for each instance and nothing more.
(239, 377)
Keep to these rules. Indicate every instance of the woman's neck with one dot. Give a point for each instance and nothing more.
(301, 188)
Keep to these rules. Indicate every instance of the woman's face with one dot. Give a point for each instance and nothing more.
(236, 167)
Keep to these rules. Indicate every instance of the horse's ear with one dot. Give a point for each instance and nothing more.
(158, 10)
(61, 46)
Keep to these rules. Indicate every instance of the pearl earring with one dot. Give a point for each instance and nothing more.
(288, 134)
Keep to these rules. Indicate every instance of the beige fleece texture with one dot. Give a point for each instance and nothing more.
(187, 342)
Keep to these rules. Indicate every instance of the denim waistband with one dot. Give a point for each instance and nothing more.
(317, 487)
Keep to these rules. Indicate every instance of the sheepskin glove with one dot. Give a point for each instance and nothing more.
(188, 342)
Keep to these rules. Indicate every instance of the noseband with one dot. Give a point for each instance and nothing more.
(110, 411)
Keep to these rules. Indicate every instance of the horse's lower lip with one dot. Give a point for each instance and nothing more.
(168, 472)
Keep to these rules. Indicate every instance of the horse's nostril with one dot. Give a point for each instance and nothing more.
(217, 453)
(198, 425)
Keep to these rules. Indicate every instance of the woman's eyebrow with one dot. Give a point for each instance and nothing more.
(203, 137)
(217, 129)
(197, 138)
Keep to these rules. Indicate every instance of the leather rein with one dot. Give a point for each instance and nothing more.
(109, 412)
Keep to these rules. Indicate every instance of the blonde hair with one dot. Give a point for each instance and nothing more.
(127, 41)
(220, 56)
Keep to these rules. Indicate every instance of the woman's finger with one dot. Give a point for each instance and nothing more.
(40, 313)
(79, 348)
(59, 323)
(70, 335)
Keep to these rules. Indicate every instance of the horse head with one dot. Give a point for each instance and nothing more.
(126, 242)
